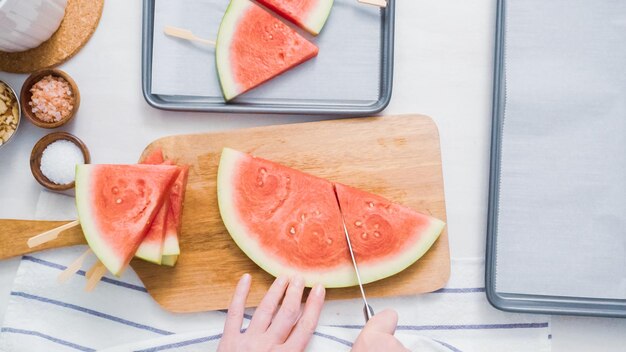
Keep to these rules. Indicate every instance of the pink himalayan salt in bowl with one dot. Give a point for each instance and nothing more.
(50, 98)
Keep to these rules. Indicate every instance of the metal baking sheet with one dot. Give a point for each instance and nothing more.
(352, 75)
(572, 236)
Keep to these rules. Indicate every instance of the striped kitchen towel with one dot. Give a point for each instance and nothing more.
(43, 315)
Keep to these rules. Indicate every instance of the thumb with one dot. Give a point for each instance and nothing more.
(383, 322)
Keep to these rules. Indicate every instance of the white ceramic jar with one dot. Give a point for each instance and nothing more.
(25, 24)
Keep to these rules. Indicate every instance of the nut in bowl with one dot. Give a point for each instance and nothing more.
(10, 113)
(54, 158)
(49, 98)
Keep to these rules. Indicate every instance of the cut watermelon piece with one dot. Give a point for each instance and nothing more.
(154, 158)
(116, 205)
(310, 15)
(289, 222)
(171, 246)
(253, 47)
(151, 248)
(386, 237)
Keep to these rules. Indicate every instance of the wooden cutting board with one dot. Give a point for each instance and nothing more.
(397, 157)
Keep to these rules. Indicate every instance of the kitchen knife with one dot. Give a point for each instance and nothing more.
(368, 312)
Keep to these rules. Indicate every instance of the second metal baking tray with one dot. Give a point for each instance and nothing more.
(347, 78)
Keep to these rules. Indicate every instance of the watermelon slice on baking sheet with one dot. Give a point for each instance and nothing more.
(310, 15)
(253, 46)
(289, 222)
(116, 205)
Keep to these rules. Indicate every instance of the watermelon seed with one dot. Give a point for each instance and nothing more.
(118, 201)
(371, 204)
(263, 171)
(115, 190)
(376, 234)
(358, 223)
(329, 241)
(364, 235)
(292, 230)
(302, 217)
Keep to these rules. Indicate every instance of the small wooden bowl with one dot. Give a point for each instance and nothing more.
(40, 146)
(26, 95)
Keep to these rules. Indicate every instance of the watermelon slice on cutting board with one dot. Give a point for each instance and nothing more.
(311, 15)
(289, 222)
(253, 47)
(116, 205)
(171, 248)
(151, 248)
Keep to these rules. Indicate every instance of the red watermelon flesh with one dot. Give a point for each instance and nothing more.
(253, 46)
(154, 158)
(177, 196)
(289, 222)
(116, 205)
(151, 248)
(308, 14)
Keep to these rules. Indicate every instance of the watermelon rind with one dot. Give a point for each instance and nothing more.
(83, 190)
(169, 260)
(230, 88)
(318, 17)
(336, 276)
(171, 246)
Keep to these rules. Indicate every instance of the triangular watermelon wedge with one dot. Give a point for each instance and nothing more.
(386, 237)
(310, 15)
(151, 248)
(253, 46)
(116, 205)
(171, 245)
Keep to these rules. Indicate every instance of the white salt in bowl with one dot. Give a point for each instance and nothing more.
(37, 154)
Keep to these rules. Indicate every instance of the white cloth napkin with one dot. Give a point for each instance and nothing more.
(119, 315)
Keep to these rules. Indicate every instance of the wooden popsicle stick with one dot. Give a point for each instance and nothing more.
(50, 235)
(379, 3)
(73, 268)
(93, 269)
(186, 34)
(95, 277)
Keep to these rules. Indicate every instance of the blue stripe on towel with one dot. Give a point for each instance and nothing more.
(47, 337)
(458, 327)
(82, 273)
(448, 346)
(333, 338)
(181, 343)
(91, 312)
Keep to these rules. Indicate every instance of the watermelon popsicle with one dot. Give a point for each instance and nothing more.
(116, 205)
(310, 15)
(253, 47)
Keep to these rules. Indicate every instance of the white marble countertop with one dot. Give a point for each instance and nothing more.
(443, 68)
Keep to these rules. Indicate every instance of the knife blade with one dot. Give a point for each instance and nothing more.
(368, 312)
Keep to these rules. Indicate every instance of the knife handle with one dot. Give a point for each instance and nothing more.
(368, 312)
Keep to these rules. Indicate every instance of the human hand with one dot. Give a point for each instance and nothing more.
(288, 330)
(377, 335)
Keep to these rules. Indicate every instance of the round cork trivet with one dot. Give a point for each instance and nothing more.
(80, 21)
